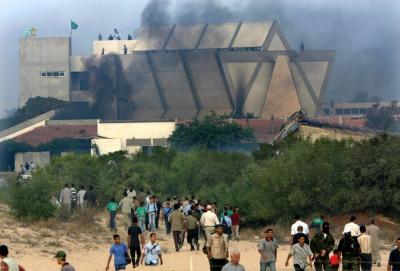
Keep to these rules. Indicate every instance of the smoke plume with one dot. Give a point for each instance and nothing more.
(364, 33)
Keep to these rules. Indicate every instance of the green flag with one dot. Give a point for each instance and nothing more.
(74, 25)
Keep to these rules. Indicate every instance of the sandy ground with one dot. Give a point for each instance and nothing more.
(92, 255)
(34, 248)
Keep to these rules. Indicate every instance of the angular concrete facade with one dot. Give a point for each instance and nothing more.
(185, 71)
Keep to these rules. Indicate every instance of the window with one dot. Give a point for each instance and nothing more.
(52, 74)
(355, 111)
(80, 81)
(339, 111)
(363, 111)
(347, 111)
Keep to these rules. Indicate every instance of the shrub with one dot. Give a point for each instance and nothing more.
(31, 200)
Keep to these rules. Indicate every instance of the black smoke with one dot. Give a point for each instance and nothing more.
(109, 86)
(364, 33)
(156, 13)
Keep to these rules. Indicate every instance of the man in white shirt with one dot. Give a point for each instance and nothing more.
(131, 192)
(352, 227)
(365, 250)
(297, 224)
(66, 198)
(81, 195)
(151, 252)
(126, 206)
(208, 221)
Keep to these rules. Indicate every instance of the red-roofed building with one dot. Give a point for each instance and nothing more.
(50, 131)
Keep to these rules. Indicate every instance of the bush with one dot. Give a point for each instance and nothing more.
(295, 177)
(31, 200)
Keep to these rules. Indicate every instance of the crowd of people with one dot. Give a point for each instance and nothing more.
(70, 199)
(192, 220)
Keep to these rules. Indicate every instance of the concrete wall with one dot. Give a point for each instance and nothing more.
(116, 134)
(40, 159)
(38, 55)
(113, 46)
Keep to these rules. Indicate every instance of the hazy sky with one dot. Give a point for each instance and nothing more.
(365, 33)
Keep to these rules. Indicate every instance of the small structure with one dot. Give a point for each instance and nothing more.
(39, 159)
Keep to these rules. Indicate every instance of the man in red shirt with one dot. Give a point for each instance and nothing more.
(235, 224)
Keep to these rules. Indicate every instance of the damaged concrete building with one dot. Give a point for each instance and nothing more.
(180, 72)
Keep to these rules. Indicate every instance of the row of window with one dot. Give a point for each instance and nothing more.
(347, 111)
(351, 111)
(52, 74)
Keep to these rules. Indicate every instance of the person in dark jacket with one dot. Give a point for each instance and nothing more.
(321, 245)
(349, 250)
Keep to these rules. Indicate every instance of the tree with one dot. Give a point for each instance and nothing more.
(382, 118)
(212, 132)
(33, 108)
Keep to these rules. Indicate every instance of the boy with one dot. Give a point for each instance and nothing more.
(119, 250)
(151, 252)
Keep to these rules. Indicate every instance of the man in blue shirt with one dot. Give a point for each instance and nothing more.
(119, 250)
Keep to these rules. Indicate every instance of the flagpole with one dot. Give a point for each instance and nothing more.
(70, 41)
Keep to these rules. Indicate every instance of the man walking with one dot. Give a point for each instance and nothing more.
(374, 231)
(61, 257)
(394, 258)
(321, 245)
(112, 208)
(166, 212)
(158, 211)
(348, 248)
(217, 249)
(119, 250)
(126, 206)
(130, 192)
(208, 221)
(11, 264)
(298, 223)
(268, 249)
(135, 238)
(176, 219)
(365, 249)
(66, 198)
(234, 264)
(235, 224)
(193, 230)
(81, 195)
(301, 253)
(152, 252)
(74, 197)
(352, 227)
(90, 198)
(298, 234)
(151, 213)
